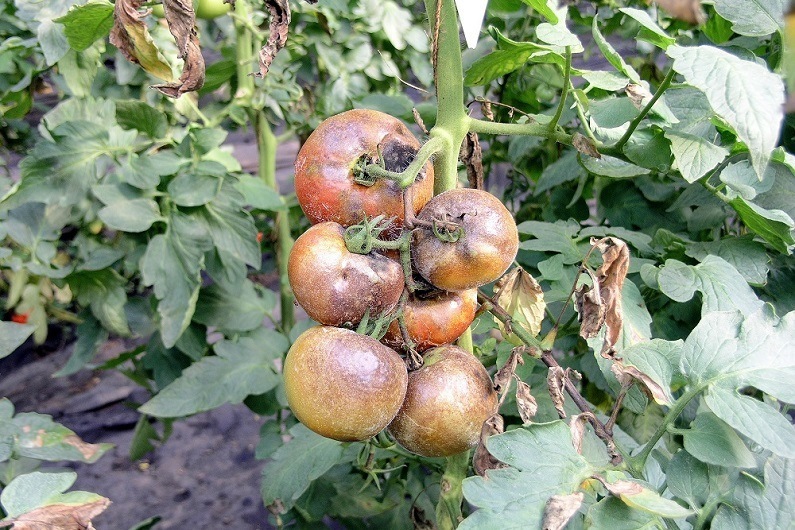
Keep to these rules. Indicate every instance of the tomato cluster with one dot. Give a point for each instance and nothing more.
(345, 273)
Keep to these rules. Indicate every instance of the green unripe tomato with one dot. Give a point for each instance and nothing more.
(205, 9)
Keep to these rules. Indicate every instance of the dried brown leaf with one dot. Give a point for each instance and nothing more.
(277, 36)
(419, 519)
(649, 386)
(61, 516)
(525, 401)
(471, 155)
(502, 379)
(577, 428)
(590, 307)
(131, 36)
(686, 10)
(182, 24)
(559, 509)
(585, 145)
(622, 487)
(522, 298)
(612, 273)
(556, 382)
(638, 95)
(418, 120)
(482, 461)
(485, 108)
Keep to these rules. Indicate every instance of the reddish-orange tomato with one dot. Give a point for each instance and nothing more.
(487, 248)
(434, 320)
(20, 318)
(447, 401)
(343, 385)
(336, 286)
(324, 168)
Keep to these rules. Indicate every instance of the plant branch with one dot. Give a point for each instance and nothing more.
(636, 121)
(566, 81)
(406, 178)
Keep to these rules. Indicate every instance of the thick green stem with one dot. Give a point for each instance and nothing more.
(244, 48)
(407, 177)
(638, 462)
(448, 509)
(639, 118)
(566, 80)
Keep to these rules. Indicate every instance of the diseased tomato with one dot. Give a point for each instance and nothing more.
(324, 168)
(20, 318)
(343, 385)
(447, 401)
(485, 251)
(434, 320)
(336, 286)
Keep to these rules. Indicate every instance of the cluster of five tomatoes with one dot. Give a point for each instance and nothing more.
(349, 386)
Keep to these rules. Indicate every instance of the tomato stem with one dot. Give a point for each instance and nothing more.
(408, 176)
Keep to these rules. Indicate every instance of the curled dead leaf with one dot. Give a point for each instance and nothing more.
(686, 10)
(62, 516)
(590, 307)
(525, 402)
(585, 145)
(485, 108)
(559, 509)
(419, 519)
(277, 34)
(131, 36)
(181, 20)
(621, 487)
(522, 298)
(577, 428)
(471, 155)
(556, 382)
(638, 95)
(649, 386)
(502, 379)
(482, 461)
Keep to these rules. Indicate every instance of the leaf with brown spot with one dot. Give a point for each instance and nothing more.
(89, 451)
(277, 36)
(65, 516)
(577, 428)
(585, 145)
(556, 382)
(686, 10)
(471, 155)
(525, 402)
(131, 36)
(590, 307)
(181, 20)
(649, 386)
(482, 461)
(522, 298)
(559, 509)
(638, 95)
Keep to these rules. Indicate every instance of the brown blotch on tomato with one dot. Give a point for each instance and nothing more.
(343, 385)
(482, 254)
(447, 401)
(324, 168)
(336, 286)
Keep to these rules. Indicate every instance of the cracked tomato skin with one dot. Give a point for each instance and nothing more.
(435, 320)
(447, 401)
(336, 286)
(482, 254)
(324, 169)
(343, 385)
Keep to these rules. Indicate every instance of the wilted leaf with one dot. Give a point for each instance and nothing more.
(638, 94)
(277, 36)
(62, 516)
(502, 379)
(590, 307)
(483, 460)
(525, 401)
(637, 496)
(577, 428)
(521, 296)
(472, 156)
(652, 388)
(132, 38)
(559, 510)
(687, 10)
(585, 145)
(419, 519)
(182, 25)
(556, 382)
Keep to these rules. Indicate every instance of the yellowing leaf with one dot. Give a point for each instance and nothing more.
(522, 298)
(132, 38)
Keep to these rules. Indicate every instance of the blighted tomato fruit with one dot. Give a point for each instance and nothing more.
(343, 385)
(447, 401)
(482, 254)
(326, 167)
(336, 286)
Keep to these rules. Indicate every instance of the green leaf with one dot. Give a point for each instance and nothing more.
(90, 335)
(258, 194)
(12, 335)
(512, 56)
(144, 171)
(105, 292)
(743, 253)
(729, 351)
(87, 23)
(608, 166)
(611, 513)
(741, 180)
(745, 94)
(172, 265)
(774, 226)
(610, 81)
(80, 68)
(558, 35)
(543, 9)
(722, 287)
(238, 369)
(543, 463)
(134, 216)
(194, 189)
(243, 310)
(612, 55)
(694, 155)
(781, 194)
(31, 490)
(133, 114)
(753, 19)
(650, 31)
(295, 465)
(688, 479)
(564, 169)
(559, 237)
(712, 441)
